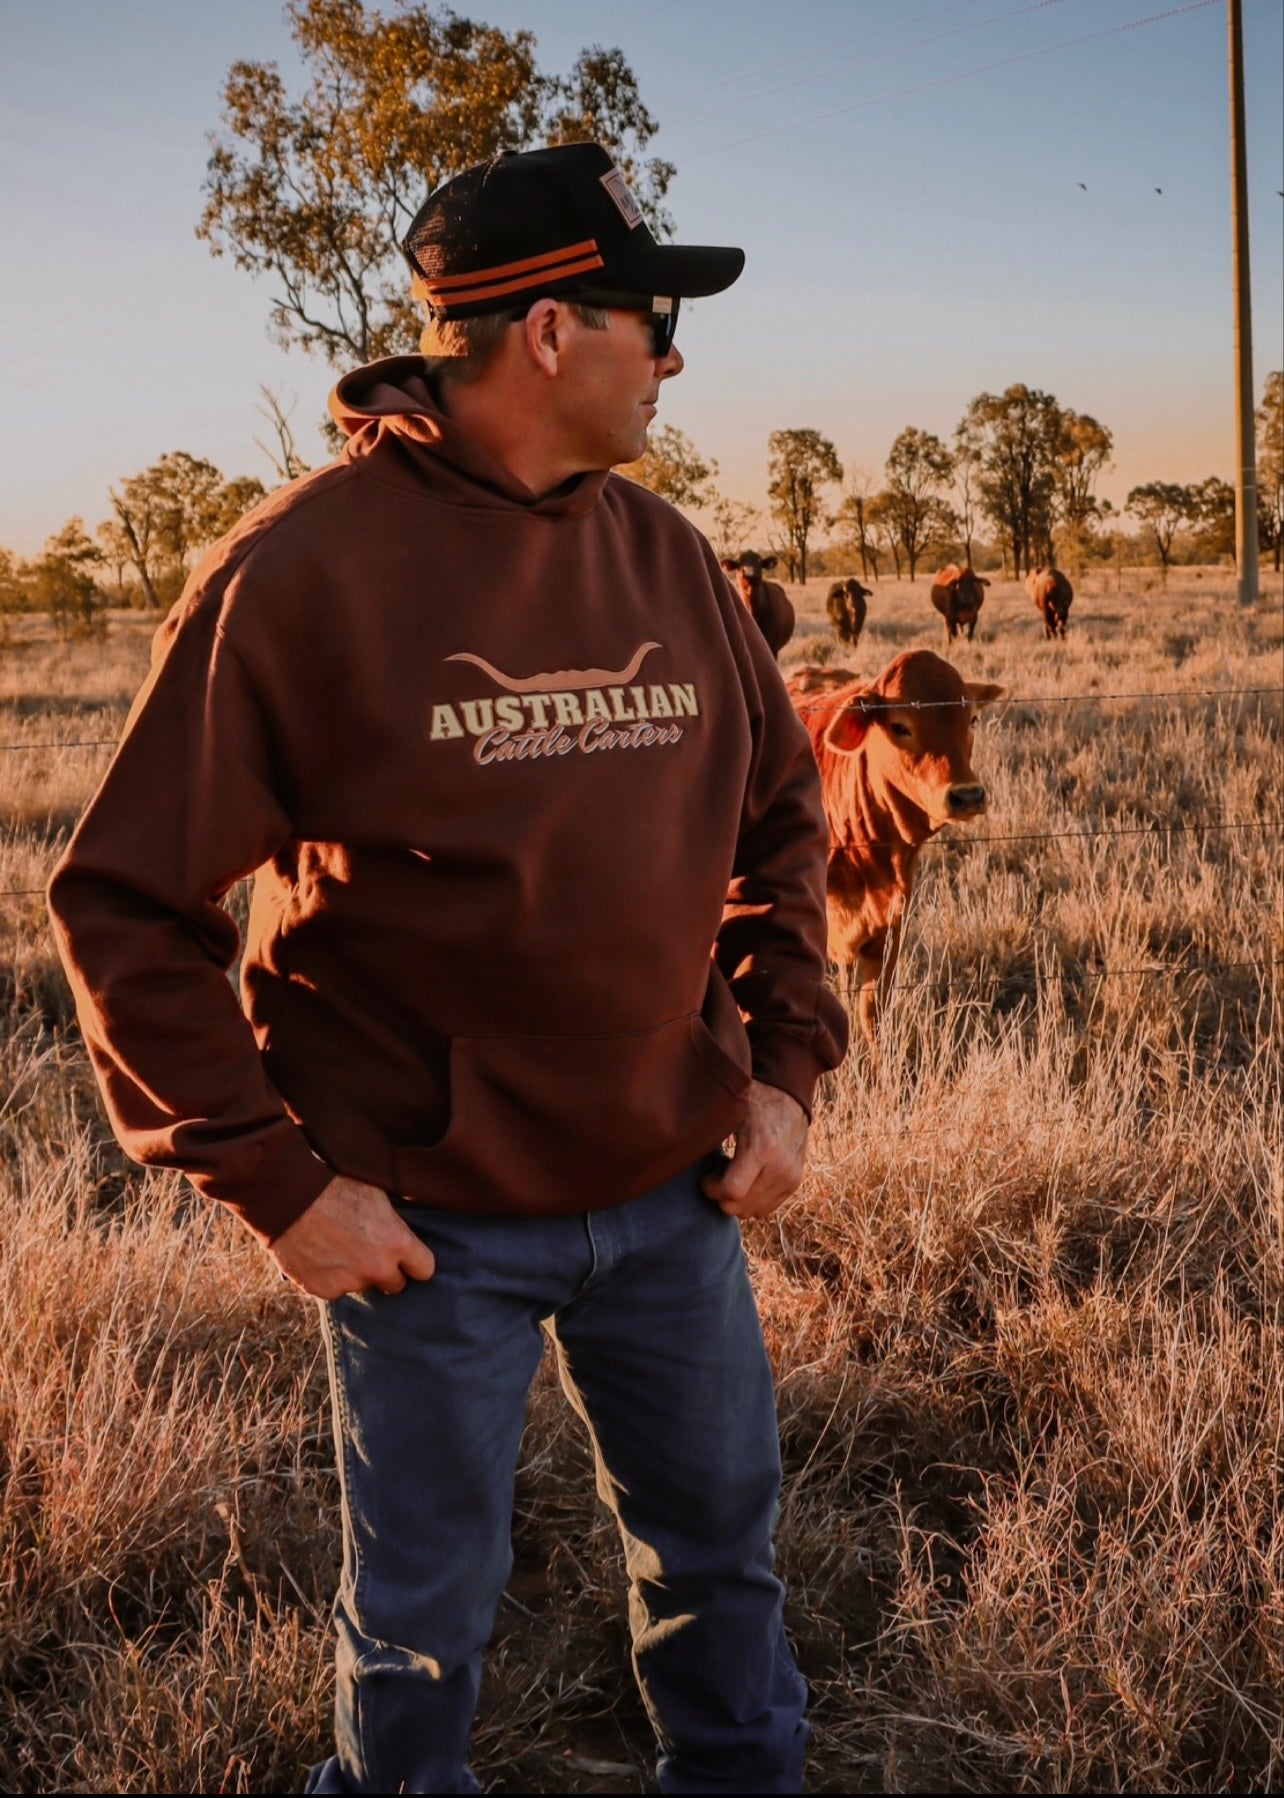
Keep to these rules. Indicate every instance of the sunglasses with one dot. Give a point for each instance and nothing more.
(660, 310)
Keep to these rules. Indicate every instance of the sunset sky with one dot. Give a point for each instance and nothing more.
(903, 174)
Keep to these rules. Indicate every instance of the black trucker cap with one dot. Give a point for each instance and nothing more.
(546, 222)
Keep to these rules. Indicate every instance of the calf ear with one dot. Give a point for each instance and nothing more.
(982, 579)
(768, 561)
(983, 692)
(847, 730)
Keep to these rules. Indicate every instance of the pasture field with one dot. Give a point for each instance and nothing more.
(1027, 1313)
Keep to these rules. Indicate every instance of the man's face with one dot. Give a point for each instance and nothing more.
(612, 386)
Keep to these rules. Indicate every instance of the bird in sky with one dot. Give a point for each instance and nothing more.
(1159, 190)
(1084, 186)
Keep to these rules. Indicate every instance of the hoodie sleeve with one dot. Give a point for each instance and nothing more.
(771, 946)
(187, 807)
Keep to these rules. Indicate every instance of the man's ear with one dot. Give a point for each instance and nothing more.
(983, 693)
(847, 731)
(544, 327)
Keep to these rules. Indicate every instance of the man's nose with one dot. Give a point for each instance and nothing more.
(671, 363)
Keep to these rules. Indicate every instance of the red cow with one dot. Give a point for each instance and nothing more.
(895, 758)
(767, 601)
(958, 595)
(1051, 593)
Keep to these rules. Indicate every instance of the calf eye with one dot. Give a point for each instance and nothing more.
(900, 730)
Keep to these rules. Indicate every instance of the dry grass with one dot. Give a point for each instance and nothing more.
(1026, 1313)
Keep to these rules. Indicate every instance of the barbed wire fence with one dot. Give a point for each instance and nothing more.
(973, 985)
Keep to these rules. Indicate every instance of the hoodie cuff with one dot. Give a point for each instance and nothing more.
(287, 1177)
(784, 1061)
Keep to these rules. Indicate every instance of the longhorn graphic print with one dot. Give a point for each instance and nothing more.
(564, 680)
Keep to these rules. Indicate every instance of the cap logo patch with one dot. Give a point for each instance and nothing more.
(620, 191)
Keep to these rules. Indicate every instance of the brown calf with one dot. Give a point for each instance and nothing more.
(767, 601)
(1051, 593)
(895, 757)
(958, 595)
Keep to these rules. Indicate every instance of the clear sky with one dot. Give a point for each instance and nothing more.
(904, 175)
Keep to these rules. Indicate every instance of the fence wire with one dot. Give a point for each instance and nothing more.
(1008, 701)
(974, 984)
(1157, 828)
(860, 704)
(977, 983)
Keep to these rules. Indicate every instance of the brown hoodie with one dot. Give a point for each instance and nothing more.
(497, 763)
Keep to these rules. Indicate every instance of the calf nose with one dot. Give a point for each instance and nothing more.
(965, 802)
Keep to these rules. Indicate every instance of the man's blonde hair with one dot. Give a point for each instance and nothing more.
(462, 349)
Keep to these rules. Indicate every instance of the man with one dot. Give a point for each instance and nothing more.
(491, 730)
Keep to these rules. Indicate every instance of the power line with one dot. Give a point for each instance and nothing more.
(924, 87)
(769, 68)
(854, 62)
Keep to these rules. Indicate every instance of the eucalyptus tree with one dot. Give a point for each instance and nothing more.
(801, 465)
(314, 190)
(918, 467)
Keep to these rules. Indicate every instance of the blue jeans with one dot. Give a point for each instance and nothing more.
(661, 1353)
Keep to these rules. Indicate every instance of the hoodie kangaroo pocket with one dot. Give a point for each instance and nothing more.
(544, 1124)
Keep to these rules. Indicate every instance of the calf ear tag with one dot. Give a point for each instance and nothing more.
(847, 732)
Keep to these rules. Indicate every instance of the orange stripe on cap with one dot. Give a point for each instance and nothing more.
(495, 290)
(483, 276)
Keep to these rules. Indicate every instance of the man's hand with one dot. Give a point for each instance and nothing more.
(771, 1146)
(348, 1239)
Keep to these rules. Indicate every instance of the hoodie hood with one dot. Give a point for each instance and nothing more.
(395, 398)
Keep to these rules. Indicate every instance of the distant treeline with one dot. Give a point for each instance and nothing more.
(1019, 464)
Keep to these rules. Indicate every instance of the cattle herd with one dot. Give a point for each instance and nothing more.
(895, 753)
(957, 594)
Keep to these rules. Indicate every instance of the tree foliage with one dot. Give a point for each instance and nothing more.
(1212, 515)
(734, 524)
(967, 483)
(64, 579)
(674, 468)
(315, 192)
(1015, 438)
(918, 467)
(171, 510)
(880, 514)
(1083, 453)
(801, 464)
(852, 519)
(1162, 508)
(287, 463)
(1270, 466)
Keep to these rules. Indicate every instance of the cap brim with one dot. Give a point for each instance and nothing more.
(686, 271)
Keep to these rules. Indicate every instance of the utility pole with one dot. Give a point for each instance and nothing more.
(1246, 458)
